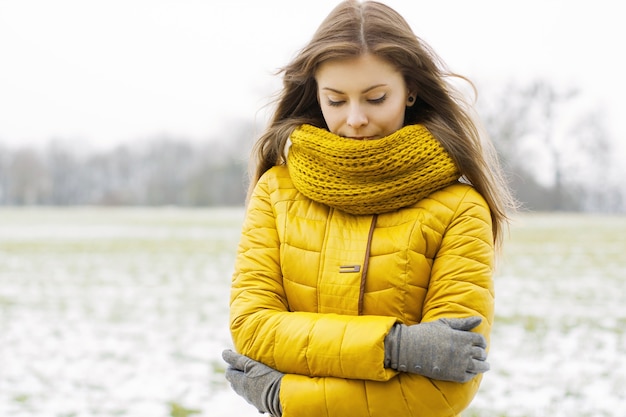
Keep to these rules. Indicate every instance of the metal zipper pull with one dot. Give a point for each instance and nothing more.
(343, 269)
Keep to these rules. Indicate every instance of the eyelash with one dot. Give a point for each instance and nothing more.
(379, 100)
(335, 103)
(375, 101)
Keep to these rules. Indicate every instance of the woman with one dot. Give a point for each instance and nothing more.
(363, 280)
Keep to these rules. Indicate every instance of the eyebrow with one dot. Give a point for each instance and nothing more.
(362, 92)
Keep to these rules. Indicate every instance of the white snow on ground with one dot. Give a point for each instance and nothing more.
(123, 312)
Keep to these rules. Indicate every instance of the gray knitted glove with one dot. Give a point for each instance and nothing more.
(256, 383)
(444, 349)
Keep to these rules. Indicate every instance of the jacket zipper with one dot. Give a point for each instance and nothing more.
(366, 263)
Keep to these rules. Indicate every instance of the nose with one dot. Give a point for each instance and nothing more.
(356, 116)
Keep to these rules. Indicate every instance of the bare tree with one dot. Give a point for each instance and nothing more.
(540, 133)
(29, 183)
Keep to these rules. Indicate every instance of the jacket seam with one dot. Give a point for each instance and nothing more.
(366, 263)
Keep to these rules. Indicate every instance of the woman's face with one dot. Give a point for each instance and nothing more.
(362, 98)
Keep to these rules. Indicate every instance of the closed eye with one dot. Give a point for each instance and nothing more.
(335, 103)
(378, 100)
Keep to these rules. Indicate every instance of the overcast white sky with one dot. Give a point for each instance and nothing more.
(112, 71)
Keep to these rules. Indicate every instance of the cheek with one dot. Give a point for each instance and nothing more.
(331, 117)
(394, 118)
(401, 113)
(400, 121)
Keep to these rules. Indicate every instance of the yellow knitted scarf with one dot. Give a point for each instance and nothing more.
(369, 176)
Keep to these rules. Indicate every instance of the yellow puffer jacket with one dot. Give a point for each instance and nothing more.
(299, 304)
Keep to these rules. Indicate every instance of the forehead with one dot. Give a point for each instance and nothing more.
(357, 73)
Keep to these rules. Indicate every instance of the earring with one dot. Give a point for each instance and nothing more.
(411, 99)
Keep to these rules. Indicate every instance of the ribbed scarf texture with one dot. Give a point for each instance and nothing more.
(369, 176)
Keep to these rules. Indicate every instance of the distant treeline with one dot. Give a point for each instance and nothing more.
(160, 172)
(537, 144)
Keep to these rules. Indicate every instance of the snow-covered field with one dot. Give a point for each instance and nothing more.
(123, 312)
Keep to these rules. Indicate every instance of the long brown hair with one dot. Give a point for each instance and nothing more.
(352, 29)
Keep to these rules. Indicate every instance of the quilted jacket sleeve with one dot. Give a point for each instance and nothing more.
(263, 329)
(461, 283)
(404, 395)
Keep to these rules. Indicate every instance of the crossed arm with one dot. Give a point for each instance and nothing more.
(349, 351)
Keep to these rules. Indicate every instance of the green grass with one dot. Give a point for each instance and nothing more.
(559, 330)
(124, 312)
